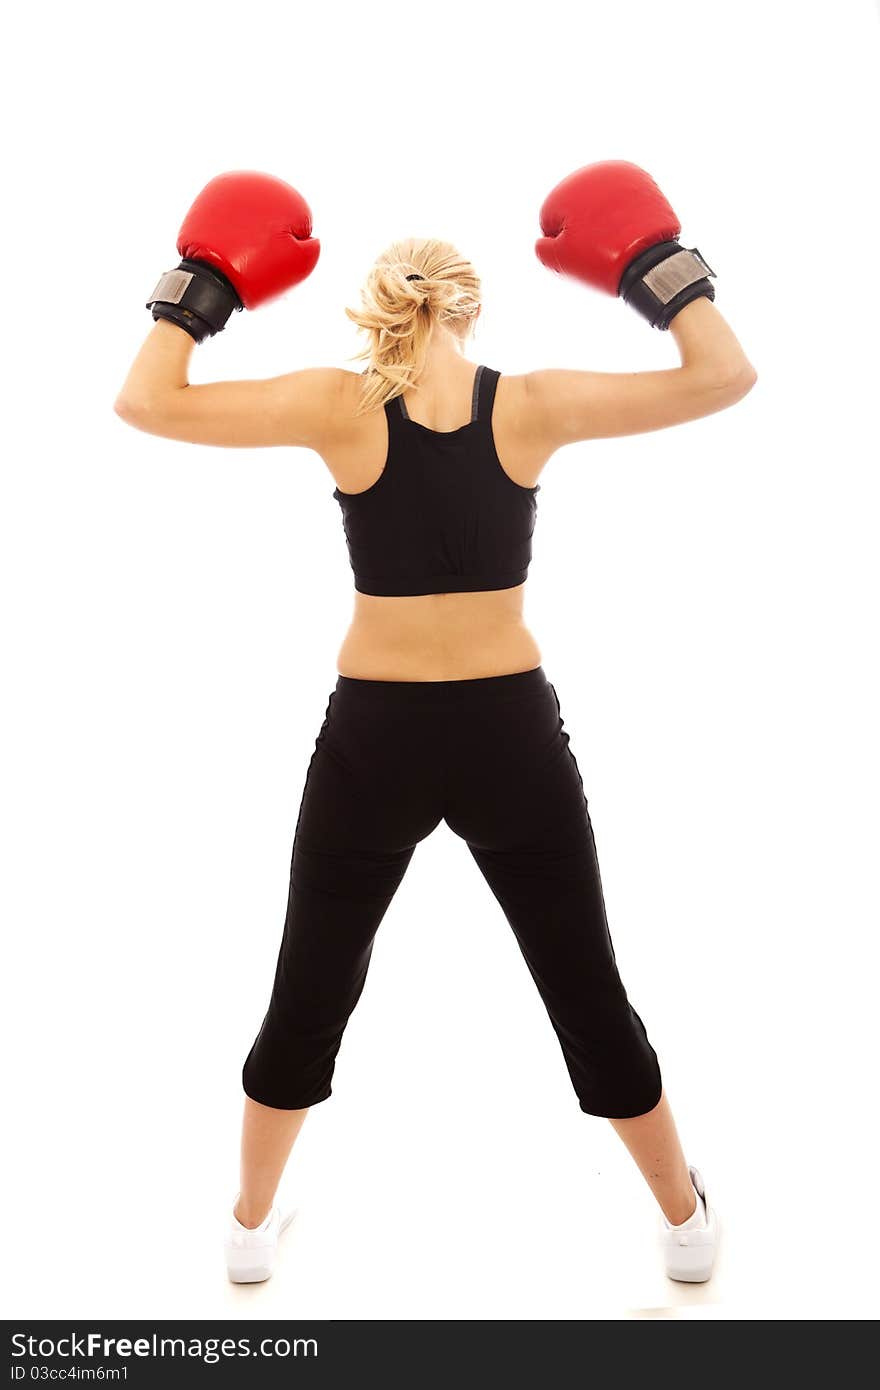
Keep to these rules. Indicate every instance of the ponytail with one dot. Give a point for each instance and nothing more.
(413, 285)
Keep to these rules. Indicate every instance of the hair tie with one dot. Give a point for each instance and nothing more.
(415, 277)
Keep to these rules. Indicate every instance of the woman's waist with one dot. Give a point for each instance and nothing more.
(441, 642)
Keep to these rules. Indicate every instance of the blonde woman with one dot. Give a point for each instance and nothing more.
(441, 710)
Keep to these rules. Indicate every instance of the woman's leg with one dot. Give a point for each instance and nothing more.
(653, 1141)
(370, 796)
(516, 796)
(267, 1137)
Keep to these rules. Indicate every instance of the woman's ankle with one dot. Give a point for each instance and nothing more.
(682, 1208)
(250, 1216)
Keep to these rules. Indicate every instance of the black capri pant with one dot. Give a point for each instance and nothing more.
(491, 757)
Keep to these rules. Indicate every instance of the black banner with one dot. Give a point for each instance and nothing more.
(347, 1352)
(308, 1353)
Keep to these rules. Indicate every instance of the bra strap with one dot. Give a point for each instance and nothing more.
(485, 383)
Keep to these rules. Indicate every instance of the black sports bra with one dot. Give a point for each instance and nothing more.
(443, 516)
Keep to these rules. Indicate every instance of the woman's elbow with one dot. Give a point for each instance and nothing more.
(134, 412)
(731, 387)
(745, 377)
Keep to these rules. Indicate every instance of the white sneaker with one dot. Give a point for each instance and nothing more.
(250, 1254)
(689, 1251)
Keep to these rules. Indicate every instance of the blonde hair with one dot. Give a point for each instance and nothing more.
(398, 314)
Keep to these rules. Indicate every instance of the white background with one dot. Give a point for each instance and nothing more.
(705, 600)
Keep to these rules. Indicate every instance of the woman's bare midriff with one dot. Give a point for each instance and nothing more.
(438, 637)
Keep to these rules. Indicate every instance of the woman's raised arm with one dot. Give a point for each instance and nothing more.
(566, 406)
(298, 408)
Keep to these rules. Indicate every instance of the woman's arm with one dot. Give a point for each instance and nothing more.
(298, 408)
(563, 407)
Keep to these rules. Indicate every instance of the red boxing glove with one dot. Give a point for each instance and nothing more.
(246, 239)
(609, 226)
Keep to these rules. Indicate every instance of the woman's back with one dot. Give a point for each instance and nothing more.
(438, 515)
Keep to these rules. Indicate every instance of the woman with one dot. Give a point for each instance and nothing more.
(442, 709)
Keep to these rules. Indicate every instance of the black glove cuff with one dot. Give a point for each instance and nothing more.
(196, 297)
(663, 279)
